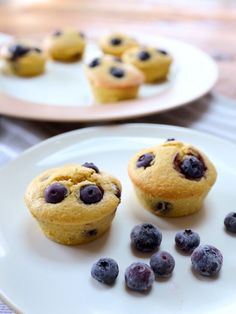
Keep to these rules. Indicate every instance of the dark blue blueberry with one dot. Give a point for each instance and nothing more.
(91, 165)
(139, 277)
(55, 193)
(162, 264)
(117, 72)
(144, 55)
(163, 52)
(207, 260)
(116, 41)
(105, 270)
(91, 194)
(187, 240)
(230, 222)
(57, 33)
(94, 63)
(170, 139)
(192, 167)
(145, 237)
(145, 160)
(18, 51)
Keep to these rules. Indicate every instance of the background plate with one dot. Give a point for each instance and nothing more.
(41, 276)
(63, 93)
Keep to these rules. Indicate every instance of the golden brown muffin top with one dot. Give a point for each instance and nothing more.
(72, 209)
(162, 171)
(111, 72)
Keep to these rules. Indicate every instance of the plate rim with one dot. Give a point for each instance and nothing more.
(149, 126)
(72, 114)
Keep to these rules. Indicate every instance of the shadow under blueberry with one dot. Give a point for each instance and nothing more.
(140, 254)
(138, 294)
(47, 249)
(101, 286)
(179, 251)
(204, 278)
(231, 234)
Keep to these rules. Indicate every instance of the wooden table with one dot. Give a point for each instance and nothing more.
(208, 24)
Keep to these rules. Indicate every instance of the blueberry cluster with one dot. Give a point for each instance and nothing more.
(206, 259)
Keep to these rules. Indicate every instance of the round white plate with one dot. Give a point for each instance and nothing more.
(63, 92)
(40, 276)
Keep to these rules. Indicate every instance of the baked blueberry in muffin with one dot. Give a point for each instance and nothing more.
(172, 179)
(73, 204)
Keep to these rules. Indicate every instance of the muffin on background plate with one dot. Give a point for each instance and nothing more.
(112, 80)
(117, 43)
(172, 179)
(73, 204)
(22, 59)
(66, 45)
(154, 63)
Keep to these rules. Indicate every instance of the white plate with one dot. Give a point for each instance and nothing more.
(63, 92)
(40, 276)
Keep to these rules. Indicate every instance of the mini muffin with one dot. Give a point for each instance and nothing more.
(172, 179)
(65, 45)
(73, 204)
(23, 60)
(154, 63)
(116, 44)
(112, 80)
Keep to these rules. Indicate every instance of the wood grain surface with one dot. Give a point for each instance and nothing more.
(208, 24)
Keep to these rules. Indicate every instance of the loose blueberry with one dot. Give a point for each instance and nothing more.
(192, 167)
(162, 264)
(18, 51)
(116, 41)
(91, 194)
(187, 240)
(139, 277)
(145, 237)
(117, 72)
(207, 260)
(57, 33)
(163, 206)
(94, 63)
(230, 222)
(146, 160)
(144, 55)
(55, 193)
(163, 52)
(105, 270)
(91, 165)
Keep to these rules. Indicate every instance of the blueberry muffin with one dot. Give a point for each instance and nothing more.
(154, 63)
(112, 80)
(23, 60)
(116, 44)
(73, 204)
(65, 45)
(172, 179)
